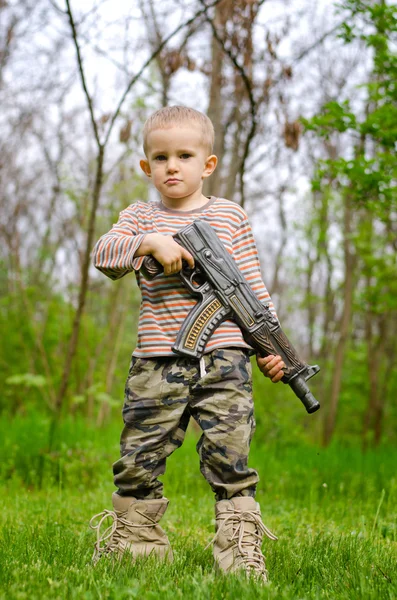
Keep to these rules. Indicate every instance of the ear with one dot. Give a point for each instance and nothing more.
(145, 167)
(210, 166)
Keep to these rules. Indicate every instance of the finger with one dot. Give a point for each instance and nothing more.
(277, 377)
(169, 268)
(264, 360)
(274, 371)
(188, 257)
(178, 266)
(174, 267)
(270, 362)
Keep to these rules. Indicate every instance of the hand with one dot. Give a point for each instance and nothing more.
(271, 366)
(170, 254)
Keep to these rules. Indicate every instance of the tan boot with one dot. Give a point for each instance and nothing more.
(239, 535)
(134, 529)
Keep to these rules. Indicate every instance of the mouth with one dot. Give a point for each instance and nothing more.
(173, 180)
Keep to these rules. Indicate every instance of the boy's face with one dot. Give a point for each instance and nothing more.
(177, 161)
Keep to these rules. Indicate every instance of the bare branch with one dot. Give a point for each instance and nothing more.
(82, 75)
(57, 8)
(153, 56)
(233, 58)
(248, 84)
(316, 43)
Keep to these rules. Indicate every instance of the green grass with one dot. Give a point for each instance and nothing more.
(333, 510)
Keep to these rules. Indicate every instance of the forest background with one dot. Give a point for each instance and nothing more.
(302, 95)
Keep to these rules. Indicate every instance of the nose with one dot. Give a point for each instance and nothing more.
(172, 165)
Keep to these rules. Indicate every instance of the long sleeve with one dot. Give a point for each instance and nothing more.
(114, 252)
(165, 301)
(246, 256)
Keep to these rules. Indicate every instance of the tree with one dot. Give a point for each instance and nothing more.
(363, 180)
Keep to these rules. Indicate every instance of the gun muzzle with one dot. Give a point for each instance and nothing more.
(301, 389)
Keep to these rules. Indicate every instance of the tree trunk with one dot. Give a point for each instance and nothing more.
(107, 343)
(376, 350)
(83, 287)
(235, 162)
(349, 259)
(215, 108)
(113, 356)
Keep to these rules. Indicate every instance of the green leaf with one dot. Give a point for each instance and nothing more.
(28, 380)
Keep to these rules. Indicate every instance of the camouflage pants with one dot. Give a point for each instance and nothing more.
(160, 397)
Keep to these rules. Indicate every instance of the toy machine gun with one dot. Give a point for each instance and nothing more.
(224, 294)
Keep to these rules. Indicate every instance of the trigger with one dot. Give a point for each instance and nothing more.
(185, 266)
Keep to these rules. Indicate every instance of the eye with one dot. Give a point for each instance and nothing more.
(160, 157)
(185, 155)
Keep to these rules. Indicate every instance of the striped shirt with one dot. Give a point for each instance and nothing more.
(165, 302)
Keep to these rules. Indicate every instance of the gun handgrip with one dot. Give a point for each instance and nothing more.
(151, 267)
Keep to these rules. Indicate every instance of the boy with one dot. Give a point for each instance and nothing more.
(163, 390)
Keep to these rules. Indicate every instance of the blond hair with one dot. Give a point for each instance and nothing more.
(178, 115)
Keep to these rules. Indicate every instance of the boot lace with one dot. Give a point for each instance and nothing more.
(249, 550)
(110, 540)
